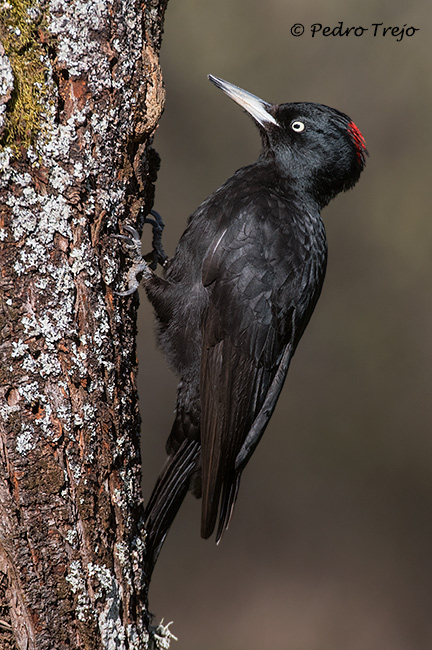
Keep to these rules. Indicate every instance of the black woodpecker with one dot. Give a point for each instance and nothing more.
(236, 298)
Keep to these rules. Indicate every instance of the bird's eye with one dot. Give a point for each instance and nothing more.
(297, 126)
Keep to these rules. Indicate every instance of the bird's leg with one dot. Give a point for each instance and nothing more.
(143, 264)
(132, 243)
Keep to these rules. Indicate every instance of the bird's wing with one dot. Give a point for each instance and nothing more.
(248, 338)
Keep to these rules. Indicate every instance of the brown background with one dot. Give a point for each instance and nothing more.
(330, 545)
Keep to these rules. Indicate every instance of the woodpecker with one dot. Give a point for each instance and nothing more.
(236, 298)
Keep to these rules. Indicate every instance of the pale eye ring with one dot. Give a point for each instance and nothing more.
(297, 126)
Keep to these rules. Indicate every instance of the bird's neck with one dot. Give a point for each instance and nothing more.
(288, 180)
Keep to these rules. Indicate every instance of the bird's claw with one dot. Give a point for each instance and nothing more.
(132, 241)
(142, 264)
(139, 266)
(158, 254)
(129, 292)
(157, 223)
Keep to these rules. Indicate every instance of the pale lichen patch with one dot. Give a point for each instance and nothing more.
(107, 589)
(77, 581)
(25, 441)
(162, 636)
(72, 538)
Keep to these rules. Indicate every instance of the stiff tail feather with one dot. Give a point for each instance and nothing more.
(166, 499)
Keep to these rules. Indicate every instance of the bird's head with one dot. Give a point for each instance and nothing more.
(318, 147)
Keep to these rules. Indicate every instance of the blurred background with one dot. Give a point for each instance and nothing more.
(330, 547)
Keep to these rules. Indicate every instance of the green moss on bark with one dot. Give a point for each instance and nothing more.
(25, 40)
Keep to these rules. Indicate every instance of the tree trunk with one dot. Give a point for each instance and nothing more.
(81, 95)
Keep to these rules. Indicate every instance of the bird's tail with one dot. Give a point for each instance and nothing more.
(166, 499)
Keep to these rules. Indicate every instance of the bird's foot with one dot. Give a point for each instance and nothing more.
(132, 244)
(158, 254)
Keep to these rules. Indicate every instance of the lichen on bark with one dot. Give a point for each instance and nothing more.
(71, 537)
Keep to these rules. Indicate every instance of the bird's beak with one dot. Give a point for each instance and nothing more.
(256, 107)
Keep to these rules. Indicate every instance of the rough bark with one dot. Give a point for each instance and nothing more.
(81, 95)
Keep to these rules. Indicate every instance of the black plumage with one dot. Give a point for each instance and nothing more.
(236, 298)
